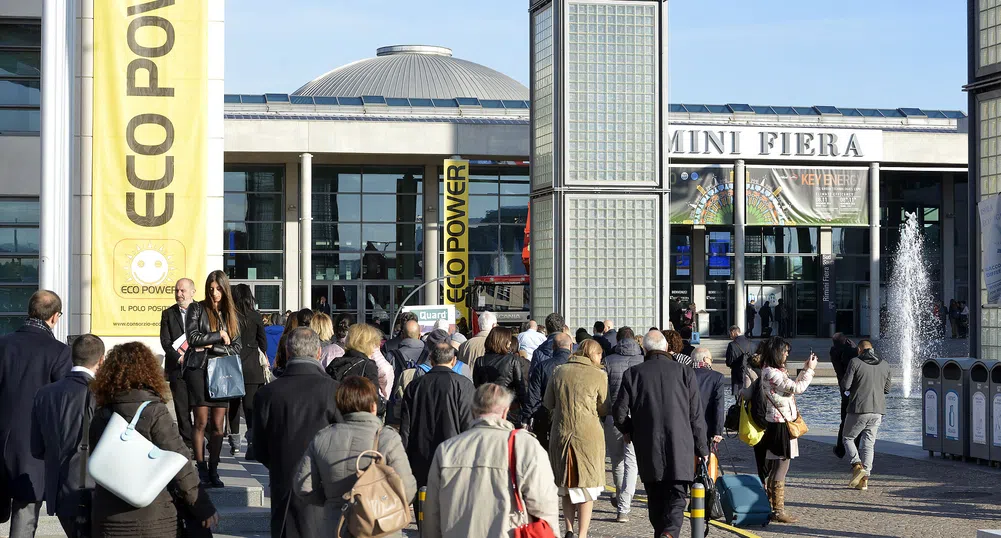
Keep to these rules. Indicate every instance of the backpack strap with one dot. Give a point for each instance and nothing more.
(458, 367)
(512, 463)
(424, 367)
(135, 420)
(375, 446)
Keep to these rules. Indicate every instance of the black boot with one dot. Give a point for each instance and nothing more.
(214, 480)
(215, 447)
(203, 473)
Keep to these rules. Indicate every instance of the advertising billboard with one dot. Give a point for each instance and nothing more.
(701, 195)
(457, 234)
(808, 196)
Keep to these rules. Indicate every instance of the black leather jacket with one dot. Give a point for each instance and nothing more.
(200, 335)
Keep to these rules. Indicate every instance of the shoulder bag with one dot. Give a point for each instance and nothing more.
(797, 428)
(225, 378)
(535, 528)
(377, 504)
(129, 465)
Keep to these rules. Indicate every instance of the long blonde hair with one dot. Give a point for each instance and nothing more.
(587, 348)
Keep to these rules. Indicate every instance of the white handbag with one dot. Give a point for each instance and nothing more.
(129, 465)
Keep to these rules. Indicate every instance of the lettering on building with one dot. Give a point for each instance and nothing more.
(789, 144)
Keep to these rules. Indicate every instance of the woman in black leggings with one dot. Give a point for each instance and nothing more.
(253, 341)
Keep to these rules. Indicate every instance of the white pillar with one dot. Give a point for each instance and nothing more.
(948, 216)
(305, 230)
(739, 210)
(58, 71)
(874, 249)
(431, 233)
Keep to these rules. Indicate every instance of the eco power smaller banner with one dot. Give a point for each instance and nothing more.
(150, 162)
(990, 239)
(457, 234)
(808, 196)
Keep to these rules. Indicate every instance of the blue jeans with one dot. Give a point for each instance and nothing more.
(624, 469)
(864, 427)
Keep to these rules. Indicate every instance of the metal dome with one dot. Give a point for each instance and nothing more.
(415, 71)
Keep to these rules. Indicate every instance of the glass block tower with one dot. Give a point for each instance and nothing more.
(984, 90)
(599, 195)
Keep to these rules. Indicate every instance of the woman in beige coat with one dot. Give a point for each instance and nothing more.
(577, 398)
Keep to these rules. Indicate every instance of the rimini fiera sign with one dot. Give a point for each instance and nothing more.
(150, 158)
(765, 143)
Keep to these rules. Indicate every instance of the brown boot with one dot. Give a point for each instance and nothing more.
(769, 489)
(781, 515)
(863, 484)
(858, 473)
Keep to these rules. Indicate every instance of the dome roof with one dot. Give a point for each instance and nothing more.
(415, 71)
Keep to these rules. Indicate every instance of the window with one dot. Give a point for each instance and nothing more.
(254, 229)
(990, 32)
(498, 213)
(19, 237)
(20, 77)
(781, 253)
(368, 223)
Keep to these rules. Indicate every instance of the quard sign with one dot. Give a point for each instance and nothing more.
(766, 143)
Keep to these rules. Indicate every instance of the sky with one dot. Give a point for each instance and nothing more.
(851, 53)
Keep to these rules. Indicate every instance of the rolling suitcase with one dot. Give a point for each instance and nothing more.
(744, 501)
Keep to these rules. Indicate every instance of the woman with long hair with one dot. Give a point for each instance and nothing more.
(130, 376)
(301, 318)
(362, 343)
(577, 396)
(323, 326)
(335, 348)
(253, 342)
(213, 329)
(752, 372)
(501, 366)
(779, 391)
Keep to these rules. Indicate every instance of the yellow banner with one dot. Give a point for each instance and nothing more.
(150, 159)
(457, 235)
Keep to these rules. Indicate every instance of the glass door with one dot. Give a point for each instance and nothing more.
(338, 298)
(267, 293)
(774, 322)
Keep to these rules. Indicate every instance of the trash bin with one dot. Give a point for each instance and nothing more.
(980, 411)
(995, 394)
(956, 407)
(931, 408)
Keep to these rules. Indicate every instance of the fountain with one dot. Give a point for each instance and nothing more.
(912, 325)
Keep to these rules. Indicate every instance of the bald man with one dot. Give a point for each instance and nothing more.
(174, 344)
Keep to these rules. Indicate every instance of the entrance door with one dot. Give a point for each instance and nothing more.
(373, 302)
(782, 321)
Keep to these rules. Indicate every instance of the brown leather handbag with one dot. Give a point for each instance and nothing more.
(797, 428)
(377, 505)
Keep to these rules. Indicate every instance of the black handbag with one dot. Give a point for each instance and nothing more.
(732, 420)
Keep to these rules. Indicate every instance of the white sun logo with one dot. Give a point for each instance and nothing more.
(149, 266)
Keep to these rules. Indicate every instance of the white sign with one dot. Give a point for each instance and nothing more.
(990, 247)
(979, 423)
(931, 413)
(997, 419)
(952, 415)
(802, 144)
(427, 316)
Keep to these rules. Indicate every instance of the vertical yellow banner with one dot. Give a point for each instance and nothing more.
(149, 159)
(457, 235)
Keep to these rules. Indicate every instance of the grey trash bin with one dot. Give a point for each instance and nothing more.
(931, 407)
(995, 407)
(956, 407)
(980, 411)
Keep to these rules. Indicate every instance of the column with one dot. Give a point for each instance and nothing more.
(431, 233)
(698, 268)
(289, 291)
(948, 215)
(58, 70)
(305, 230)
(874, 249)
(739, 211)
(82, 174)
(826, 248)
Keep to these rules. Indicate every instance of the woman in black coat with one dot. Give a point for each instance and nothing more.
(213, 330)
(253, 341)
(502, 367)
(130, 376)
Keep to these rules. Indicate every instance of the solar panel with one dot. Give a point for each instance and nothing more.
(954, 114)
(697, 109)
(515, 104)
(740, 107)
(397, 101)
(491, 103)
(805, 110)
(276, 97)
(252, 99)
(825, 110)
(854, 112)
(891, 113)
(373, 99)
(302, 100)
(870, 112)
(784, 110)
(718, 109)
(674, 107)
(912, 111)
(231, 99)
(325, 100)
(421, 102)
(762, 109)
(936, 114)
(350, 101)
(445, 103)
(467, 101)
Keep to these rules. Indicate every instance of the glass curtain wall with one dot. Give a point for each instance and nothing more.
(367, 238)
(19, 238)
(784, 262)
(255, 231)
(498, 214)
(20, 76)
(851, 248)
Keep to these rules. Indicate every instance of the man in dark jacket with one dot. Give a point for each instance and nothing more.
(399, 336)
(867, 382)
(538, 379)
(287, 414)
(738, 352)
(57, 421)
(30, 358)
(436, 407)
(842, 353)
(554, 326)
(627, 353)
(659, 408)
(174, 343)
(711, 390)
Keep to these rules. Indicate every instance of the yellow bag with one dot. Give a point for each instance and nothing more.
(749, 432)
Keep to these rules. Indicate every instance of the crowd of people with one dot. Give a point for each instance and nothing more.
(526, 418)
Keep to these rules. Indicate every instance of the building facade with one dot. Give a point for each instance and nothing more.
(334, 190)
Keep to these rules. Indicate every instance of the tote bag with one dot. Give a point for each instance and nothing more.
(225, 378)
(129, 465)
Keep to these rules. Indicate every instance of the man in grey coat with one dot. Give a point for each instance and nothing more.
(867, 381)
